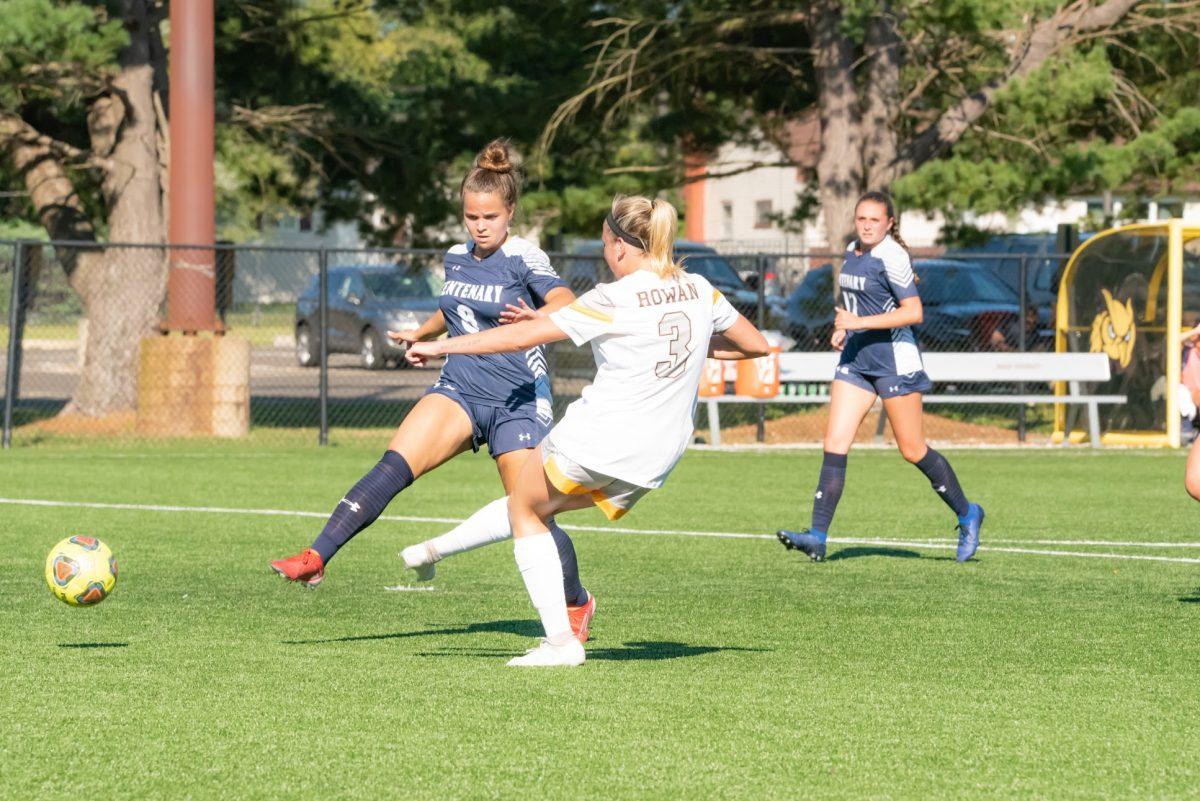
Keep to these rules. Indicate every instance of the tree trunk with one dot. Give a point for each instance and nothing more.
(881, 97)
(839, 166)
(122, 289)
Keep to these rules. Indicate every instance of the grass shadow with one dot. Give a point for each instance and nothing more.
(642, 651)
(1194, 598)
(654, 651)
(522, 628)
(857, 553)
(93, 645)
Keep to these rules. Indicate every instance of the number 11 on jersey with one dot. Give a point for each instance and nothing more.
(850, 300)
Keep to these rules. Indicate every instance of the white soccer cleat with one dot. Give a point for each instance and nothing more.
(546, 654)
(417, 559)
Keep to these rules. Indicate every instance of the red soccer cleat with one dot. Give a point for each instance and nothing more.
(581, 617)
(305, 566)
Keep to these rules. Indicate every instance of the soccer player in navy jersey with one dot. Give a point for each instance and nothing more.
(502, 400)
(880, 358)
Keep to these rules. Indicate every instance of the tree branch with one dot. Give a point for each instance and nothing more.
(749, 166)
(1029, 53)
(37, 159)
(631, 60)
(263, 32)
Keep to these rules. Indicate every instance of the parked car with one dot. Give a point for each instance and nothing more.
(365, 302)
(584, 267)
(810, 310)
(964, 305)
(1002, 255)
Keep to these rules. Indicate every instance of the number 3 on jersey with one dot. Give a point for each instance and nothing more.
(678, 327)
(466, 316)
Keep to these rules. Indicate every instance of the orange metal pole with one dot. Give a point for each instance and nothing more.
(695, 166)
(191, 282)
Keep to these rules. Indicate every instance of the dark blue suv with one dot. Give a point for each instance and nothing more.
(365, 302)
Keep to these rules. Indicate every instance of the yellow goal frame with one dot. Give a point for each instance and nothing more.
(1170, 267)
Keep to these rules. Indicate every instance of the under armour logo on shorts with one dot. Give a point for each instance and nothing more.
(524, 437)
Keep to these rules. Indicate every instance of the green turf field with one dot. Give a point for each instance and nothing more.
(719, 667)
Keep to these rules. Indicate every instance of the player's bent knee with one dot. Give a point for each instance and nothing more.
(834, 445)
(1192, 483)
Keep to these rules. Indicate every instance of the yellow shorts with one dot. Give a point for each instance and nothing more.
(613, 496)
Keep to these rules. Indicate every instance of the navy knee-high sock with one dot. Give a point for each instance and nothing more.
(363, 504)
(829, 490)
(573, 589)
(944, 482)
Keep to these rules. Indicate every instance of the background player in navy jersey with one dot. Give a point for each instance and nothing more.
(502, 400)
(880, 358)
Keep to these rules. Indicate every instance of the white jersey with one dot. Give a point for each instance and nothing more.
(650, 337)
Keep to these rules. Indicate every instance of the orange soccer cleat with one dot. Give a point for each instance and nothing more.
(305, 566)
(581, 618)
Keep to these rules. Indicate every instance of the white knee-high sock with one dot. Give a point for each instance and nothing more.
(490, 524)
(537, 559)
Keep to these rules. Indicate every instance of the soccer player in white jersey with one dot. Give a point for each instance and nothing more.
(880, 359)
(650, 331)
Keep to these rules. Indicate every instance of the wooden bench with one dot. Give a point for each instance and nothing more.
(972, 368)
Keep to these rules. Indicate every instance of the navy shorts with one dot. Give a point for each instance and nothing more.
(885, 386)
(503, 429)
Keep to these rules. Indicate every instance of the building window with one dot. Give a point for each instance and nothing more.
(1169, 208)
(727, 219)
(306, 222)
(762, 214)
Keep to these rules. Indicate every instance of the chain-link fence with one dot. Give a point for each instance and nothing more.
(320, 364)
(973, 303)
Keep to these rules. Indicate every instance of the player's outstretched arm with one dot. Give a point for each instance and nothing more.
(432, 328)
(503, 339)
(555, 300)
(740, 341)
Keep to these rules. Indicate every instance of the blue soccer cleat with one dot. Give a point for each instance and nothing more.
(809, 541)
(968, 532)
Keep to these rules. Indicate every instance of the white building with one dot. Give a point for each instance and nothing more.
(284, 261)
(738, 212)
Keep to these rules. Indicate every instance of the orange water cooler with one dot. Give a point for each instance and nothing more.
(712, 380)
(759, 378)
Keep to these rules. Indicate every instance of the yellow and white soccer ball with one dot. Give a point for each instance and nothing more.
(81, 571)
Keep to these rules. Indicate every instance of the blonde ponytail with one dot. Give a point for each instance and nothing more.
(650, 224)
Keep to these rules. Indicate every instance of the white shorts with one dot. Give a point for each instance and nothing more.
(614, 496)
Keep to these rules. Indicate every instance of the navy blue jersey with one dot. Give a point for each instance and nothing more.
(475, 293)
(874, 283)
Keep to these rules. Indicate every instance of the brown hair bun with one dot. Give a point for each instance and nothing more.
(495, 170)
(495, 157)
